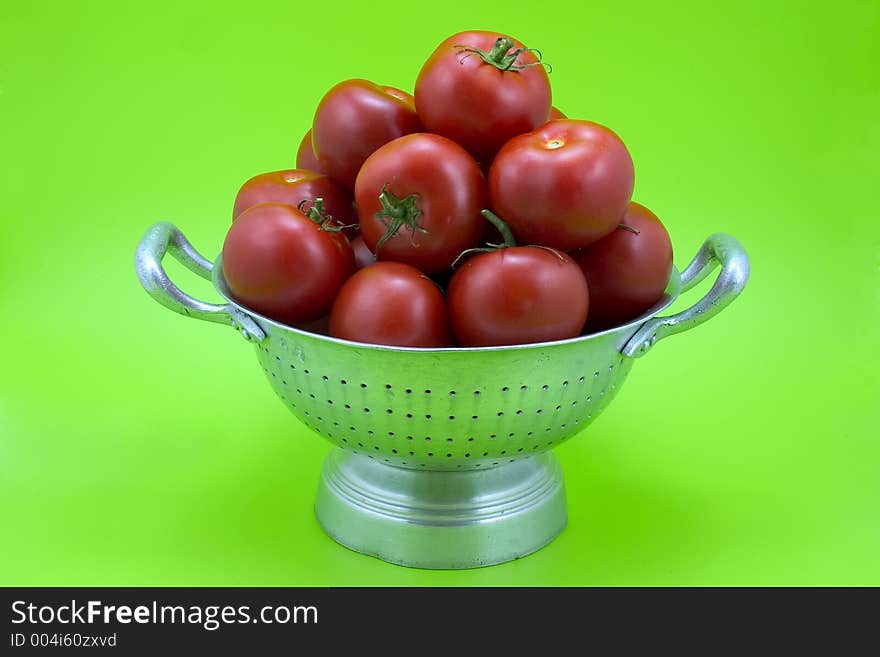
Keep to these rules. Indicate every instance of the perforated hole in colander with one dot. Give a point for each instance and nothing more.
(475, 423)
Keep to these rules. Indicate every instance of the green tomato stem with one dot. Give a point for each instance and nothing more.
(317, 214)
(315, 211)
(502, 227)
(397, 212)
(498, 54)
(501, 56)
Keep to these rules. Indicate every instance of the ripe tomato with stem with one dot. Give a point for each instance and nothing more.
(292, 187)
(286, 263)
(480, 89)
(419, 199)
(507, 294)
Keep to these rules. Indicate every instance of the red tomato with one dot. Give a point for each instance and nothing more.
(281, 264)
(354, 119)
(627, 271)
(400, 94)
(555, 115)
(426, 193)
(565, 185)
(293, 187)
(480, 89)
(305, 156)
(392, 304)
(362, 254)
(517, 295)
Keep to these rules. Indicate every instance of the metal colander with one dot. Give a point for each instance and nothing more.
(442, 456)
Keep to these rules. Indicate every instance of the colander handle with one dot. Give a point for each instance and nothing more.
(718, 249)
(162, 238)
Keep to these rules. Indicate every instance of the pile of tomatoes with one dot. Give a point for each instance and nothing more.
(471, 213)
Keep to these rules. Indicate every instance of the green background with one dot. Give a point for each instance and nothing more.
(141, 448)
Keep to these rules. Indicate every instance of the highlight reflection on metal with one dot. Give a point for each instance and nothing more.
(442, 456)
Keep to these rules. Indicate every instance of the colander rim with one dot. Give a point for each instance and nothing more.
(670, 295)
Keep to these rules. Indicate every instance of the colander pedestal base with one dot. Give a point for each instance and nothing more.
(441, 519)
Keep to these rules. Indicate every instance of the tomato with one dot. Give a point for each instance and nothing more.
(480, 89)
(305, 156)
(517, 295)
(354, 119)
(293, 186)
(555, 115)
(564, 185)
(392, 304)
(284, 265)
(362, 254)
(627, 271)
(425, 194)
(400, 94)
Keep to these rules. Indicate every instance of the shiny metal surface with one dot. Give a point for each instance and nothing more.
(162, 238)
(434, 519)
(418, 428)
(719, 249)
(443, 410)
